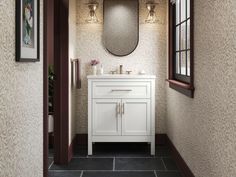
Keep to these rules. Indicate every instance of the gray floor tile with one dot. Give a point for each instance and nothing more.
(86, 164)
(50, 160)
(170, 164)
(64, 174)
(168, 174)
(139, 164)
(118, 174)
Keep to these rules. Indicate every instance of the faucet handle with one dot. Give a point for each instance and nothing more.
(128, 72)
(113, 72)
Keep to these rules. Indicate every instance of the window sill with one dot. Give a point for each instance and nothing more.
(184, 88)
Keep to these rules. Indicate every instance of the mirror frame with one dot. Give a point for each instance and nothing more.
(138, 4)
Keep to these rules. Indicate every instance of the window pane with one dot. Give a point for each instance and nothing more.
(177, 38)
(177, 63)
(183, 10)
(177, 11)
(188, 8)
(188, 63)
(183, 63)
(183, 36)
(188, 34)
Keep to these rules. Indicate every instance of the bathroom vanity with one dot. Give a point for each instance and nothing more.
(121, 108)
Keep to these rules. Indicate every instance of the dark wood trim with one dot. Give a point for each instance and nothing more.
(187, 92)
(160, 139)
(51, 140)
(170, 42)
(71, 148)
(61, 55)
(45, 94)
(181, 84)
(192, 44)
(179, 160)
(182, 87)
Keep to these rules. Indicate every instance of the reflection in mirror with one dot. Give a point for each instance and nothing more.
(121, 26)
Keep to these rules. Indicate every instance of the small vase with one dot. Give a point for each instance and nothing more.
(94, 68)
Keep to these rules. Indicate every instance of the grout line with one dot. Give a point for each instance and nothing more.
(164, 163)
(81, 174)
(50, 165)
(155, 173)
(114, 161)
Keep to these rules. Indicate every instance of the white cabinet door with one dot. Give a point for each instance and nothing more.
(135, 117)
(106, 117)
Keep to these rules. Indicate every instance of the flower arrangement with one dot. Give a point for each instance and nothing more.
(94, 62)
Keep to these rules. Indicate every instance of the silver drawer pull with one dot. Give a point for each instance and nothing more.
(123, 108)
(121, 90)
(118, 108)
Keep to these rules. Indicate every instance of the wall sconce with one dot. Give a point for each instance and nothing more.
(92, 18)
(151, 18)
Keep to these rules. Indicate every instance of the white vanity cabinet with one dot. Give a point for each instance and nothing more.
(121, 108)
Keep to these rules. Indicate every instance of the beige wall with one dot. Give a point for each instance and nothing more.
(21, 104)
(204, 128)
(150, 55)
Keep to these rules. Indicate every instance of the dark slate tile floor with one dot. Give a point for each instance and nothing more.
(118, 174)
(118, 160)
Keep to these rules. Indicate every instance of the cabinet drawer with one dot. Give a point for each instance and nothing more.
(121, 89)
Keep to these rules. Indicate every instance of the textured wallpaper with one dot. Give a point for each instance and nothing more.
(21, 104)
(204, 128)
(150, 56)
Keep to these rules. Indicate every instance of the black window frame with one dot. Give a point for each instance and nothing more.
(181, 83)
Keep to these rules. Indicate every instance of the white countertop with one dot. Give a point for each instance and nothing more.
(121, 76)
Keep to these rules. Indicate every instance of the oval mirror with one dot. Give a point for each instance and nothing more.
(121, 26)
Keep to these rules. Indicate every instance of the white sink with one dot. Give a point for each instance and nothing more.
(131, 76)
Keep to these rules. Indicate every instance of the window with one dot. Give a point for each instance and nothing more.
(181, 46)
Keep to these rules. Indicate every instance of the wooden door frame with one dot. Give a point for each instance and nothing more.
(61, 97)
(61, 68)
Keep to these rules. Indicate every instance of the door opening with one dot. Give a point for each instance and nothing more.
(56, 58)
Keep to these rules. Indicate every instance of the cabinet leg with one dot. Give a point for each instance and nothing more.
(153, 148)
(90, 148)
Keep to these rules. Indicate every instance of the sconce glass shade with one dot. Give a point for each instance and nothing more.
(92, 18)
(151, 18)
